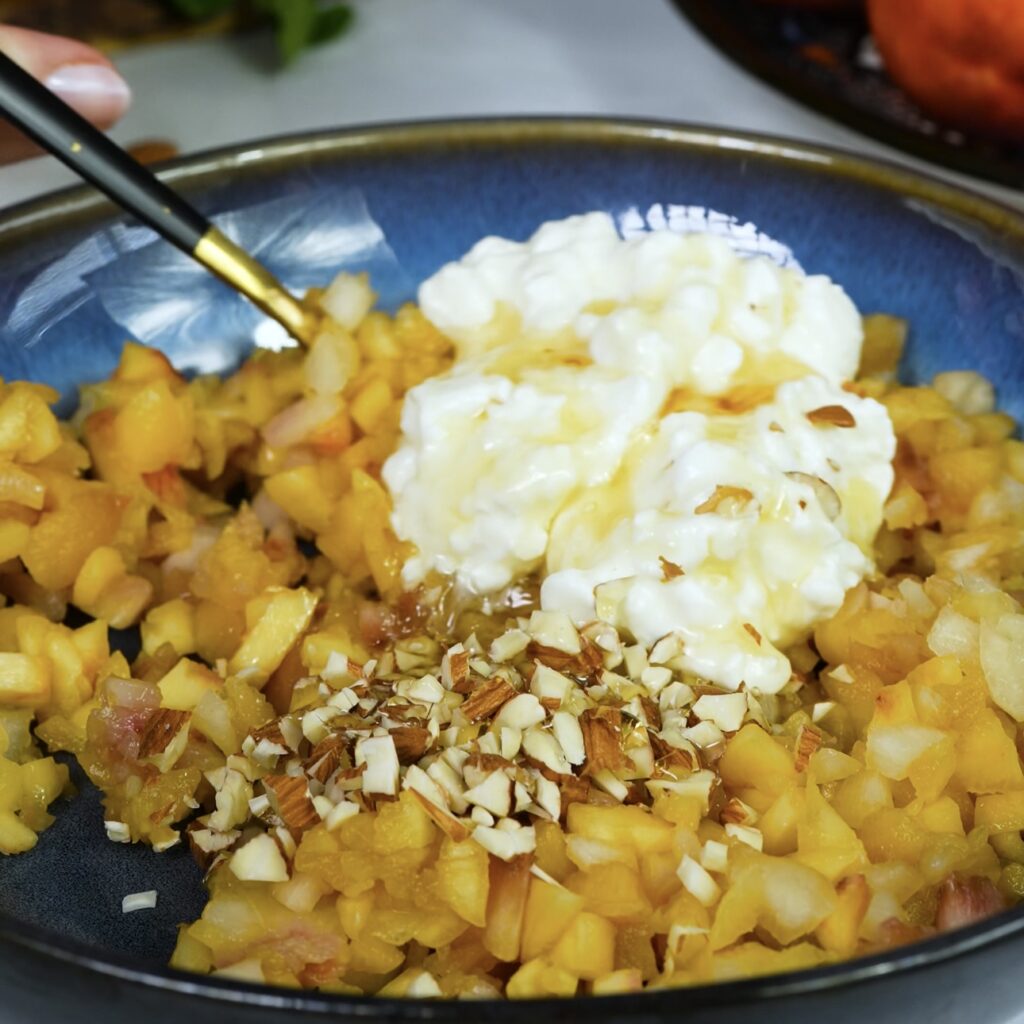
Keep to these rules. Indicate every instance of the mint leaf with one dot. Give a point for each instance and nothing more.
(200, 10)
(330, 23)
(294, 20)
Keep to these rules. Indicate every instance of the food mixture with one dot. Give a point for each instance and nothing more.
(613, 619)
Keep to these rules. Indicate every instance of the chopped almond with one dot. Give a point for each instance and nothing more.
(808, 740)
(832, 416)
(736, 812)
(601, 733)
(411, 742)
(294, 803)
(325, 757)
(652, 712)
(452, 827)
(725, 499)
(163, 725)
(455, 668)
(585, 665)
(669, 570)
(488, 699)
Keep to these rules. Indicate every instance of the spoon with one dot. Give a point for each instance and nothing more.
(30, 106)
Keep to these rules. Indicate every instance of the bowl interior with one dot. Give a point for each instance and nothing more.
(76, 280)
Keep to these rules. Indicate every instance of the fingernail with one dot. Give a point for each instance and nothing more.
(97, 92)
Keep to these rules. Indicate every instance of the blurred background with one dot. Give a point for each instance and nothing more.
(939, 86)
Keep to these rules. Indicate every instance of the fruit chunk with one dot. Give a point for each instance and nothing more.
(962, 60)
(785, 898)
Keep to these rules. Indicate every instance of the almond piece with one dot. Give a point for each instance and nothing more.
(587, 664)
(808, 740)
(487, 699)
(411, 742)
(725, 500)
(830, 502)
(325, 758)
(601, 732)
(294, 804)
(832, 416)
(445, 820)
(163, 725)
(670, 570)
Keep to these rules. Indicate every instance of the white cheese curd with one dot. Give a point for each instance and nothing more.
(486, 463)
(680, 301)
(546, 448)
(776, 561)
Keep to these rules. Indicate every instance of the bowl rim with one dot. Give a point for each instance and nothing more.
(82, 204)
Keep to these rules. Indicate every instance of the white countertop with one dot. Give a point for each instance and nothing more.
(406, 59)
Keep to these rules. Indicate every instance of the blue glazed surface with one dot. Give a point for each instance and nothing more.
(68, 290)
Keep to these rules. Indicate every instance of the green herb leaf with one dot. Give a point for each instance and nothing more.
(330, 23)
(297, 23)
(201, 10)
(294, 19)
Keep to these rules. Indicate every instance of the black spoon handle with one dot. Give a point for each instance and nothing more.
(86, 150)
(44, 117)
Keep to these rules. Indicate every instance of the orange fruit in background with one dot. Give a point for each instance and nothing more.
(961, 60)
(817, 5)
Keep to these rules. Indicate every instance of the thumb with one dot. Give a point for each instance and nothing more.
(77, 73)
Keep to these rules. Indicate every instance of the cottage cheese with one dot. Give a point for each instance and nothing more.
(546, 446)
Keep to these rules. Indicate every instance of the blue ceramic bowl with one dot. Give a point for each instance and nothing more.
(76, 280)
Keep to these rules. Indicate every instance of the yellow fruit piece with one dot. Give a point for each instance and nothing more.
(13, 538)
(587, 947)
(154, 429)
(87, 515)
(190, 954)
(104, 567)
(354, 913)
(550, 909)
(780, 822)
(463, 874)
(787, 899)
(301, 493)
(839, 932)
(614, 891)
(212, 717)
(884, 338)
(15, 835)
(172, 622)
(550, 853)
(24, 680)
(622, 827)
(942, 816)
(620, 982)
(29, 431)
(537, 979)
(319, 646)
(371, 405)
(754, 760)
(824, 841)
(986, 757)
(186, 684)
(679, 809)
(1000, 812)
(892, 834)
(284, 617)
(859, 796)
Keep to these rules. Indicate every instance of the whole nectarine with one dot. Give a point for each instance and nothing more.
(817, 5)
(961, 60)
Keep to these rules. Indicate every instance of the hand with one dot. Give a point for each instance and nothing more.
(79, 74)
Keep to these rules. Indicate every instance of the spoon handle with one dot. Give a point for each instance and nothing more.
(44, 117)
